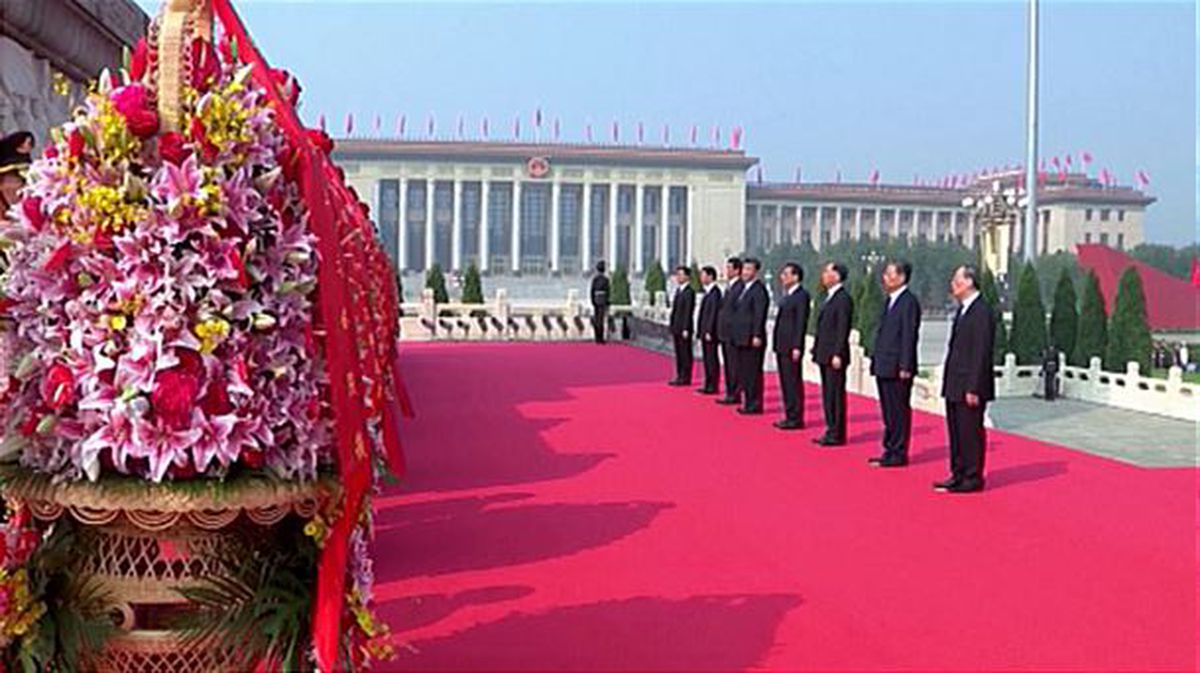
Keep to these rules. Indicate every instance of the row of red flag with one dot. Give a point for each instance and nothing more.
(1106, 177)
(401, 130)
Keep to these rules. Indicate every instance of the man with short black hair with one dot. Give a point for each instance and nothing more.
(791, 322)
(968, 382)
(600, 301)
(894, 362)
(831, 351)
(733, 290)
(683, 307)
(750, 336)
(706, 330)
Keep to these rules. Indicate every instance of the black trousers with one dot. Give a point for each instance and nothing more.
(792, 386)
(895, 401)
(683, 358)
(712, 364)
(968, 440)
(833, 401)
(750, 376)
(600, 323)
(729, 353)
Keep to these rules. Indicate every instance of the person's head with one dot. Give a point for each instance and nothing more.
(733, 268)
(896, 274)
(683, 275)
(11, 183)
(708, 275)
(964, 282)
(833, 273)
(750, 267)
(601, 267)
(16, 150)
(791, 274)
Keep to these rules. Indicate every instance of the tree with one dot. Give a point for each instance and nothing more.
(473, 288)
(619, 287)
(818, 298)
(435, 280)
(868, 309)
(1050, 269)
(990, 294)
(1129, 331)
(1091, 341)
(1064, 317)
(697, 286)
(1175, 261)
(656, 281)
(1029, 319)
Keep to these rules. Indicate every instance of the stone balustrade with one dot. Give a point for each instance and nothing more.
(502, 319)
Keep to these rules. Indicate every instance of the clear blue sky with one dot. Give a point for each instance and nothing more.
(910, 88)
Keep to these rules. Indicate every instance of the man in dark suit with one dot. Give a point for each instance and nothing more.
(831, 351)
(683, 311)
(600, 300)
(733, 290)
(791, 324)
(750, 336)
(706, 330)
(968, 382)
(894, 362)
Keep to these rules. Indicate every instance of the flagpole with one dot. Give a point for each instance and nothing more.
(1031, 155)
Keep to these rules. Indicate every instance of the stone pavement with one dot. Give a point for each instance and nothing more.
(1129, 436)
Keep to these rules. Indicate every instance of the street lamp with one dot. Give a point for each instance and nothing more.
(871, 259)
(996, 213)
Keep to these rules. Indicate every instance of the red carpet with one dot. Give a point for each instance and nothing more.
(566, 510)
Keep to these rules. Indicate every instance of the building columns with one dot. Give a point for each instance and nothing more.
(586, 224)
(612, 225)
(516, 227)
(858, 223)
(484, 235)
(639, 221)
(555, 242)
(690, 225)
(430, 185)
(819, 228)
(402, 233)
(664, 234)
(456, 242)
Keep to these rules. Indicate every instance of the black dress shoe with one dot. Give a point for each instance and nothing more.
(893, 462)
(706, 391)
(676, 383)
(750, 412)
(966, 486)
(945, 484)
(729, 401)
(828, 441)
(788, 425)
(875, 460)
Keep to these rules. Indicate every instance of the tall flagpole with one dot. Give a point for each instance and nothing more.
(1031, 151)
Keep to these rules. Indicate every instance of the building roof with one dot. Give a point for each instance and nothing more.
(1171, 303)
(360, 149)
(1075, 188)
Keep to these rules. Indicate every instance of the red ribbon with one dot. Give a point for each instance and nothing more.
(349, 264)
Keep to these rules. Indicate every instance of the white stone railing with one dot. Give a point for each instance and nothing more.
(501, 319)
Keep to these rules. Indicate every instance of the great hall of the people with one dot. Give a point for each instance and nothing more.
(541, 208)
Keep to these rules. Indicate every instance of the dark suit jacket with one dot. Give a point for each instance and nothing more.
(710, 309)
(682, 311)
(725, 315)
(833, 329)
(969, 356)
(896, 337)
(750, 315)
(600, 293)
(791, 321)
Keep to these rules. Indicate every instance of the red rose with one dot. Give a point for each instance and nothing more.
(102, 240)
(254, 458)
(58, 386)
(32, 208)
(190, 362)
(29, 425)
(204, 65)
(216, 399)
(51, 151)
(58, 259)
(76, 144)
(174, 397)
(138, 60)
(172, 149)
(133, 103)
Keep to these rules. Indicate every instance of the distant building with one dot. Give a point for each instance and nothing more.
(540, 208)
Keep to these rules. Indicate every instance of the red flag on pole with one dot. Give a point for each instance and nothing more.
(483, 128)
(641, 132)
(556, 129)
(349, 123)
(517, 127)
(735, 138)
(875, 177)
(1143, 178)
(537, 118)
(461, 130)
(695, 133)
(588, 132)
(401, 122)
(378, 124)
(429, 126)
(716, 136)
(616, 132)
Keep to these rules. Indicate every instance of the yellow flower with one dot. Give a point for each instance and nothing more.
(108, 208)
(117, 322)
(211, 333)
